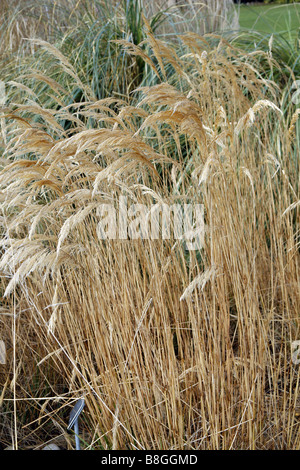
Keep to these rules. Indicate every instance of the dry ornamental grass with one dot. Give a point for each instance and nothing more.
(172, 349)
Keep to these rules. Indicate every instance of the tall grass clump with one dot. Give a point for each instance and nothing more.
(172, 349)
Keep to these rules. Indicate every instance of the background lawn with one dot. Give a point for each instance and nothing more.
(270, 18)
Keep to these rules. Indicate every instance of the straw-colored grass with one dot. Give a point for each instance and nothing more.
(172, 349)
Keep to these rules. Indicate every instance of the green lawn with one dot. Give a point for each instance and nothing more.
(269, 19)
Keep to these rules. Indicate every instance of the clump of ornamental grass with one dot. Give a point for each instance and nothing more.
(171, 348)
